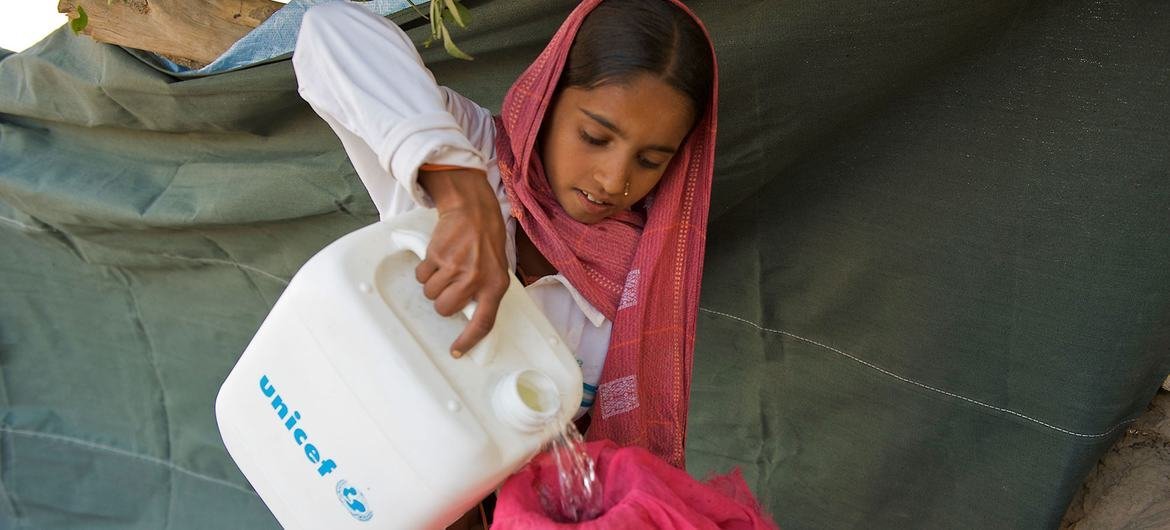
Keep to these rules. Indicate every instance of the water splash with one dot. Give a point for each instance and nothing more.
(578, 492)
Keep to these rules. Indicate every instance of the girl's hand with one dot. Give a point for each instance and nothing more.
(465, 258)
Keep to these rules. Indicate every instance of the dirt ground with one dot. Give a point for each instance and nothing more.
(1130, 487)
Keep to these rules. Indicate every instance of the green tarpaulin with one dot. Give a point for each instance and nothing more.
(937, 283)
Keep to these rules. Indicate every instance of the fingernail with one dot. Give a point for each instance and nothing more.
(456, 354)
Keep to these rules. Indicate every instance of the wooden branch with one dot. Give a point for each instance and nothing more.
(192, 32)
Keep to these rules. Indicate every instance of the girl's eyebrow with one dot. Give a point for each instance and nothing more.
(604, 122)
(610, 125)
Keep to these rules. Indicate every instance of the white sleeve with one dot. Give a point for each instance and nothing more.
(478, 125)
(362, 74)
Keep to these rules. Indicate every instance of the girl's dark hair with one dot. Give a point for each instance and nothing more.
(622, 38)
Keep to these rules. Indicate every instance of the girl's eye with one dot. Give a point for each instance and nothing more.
(591, 140)
(648, 164)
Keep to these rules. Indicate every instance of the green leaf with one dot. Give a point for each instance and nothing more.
(436, 20)
(452, 49)
(447, 17)
(80, 22)
(453, 9)
(464, 13)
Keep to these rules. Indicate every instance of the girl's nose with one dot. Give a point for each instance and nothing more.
(613, 176)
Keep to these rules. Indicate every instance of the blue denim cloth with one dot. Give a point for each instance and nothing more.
(274, 37)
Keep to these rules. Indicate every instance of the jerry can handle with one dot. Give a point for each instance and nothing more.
(416, 243)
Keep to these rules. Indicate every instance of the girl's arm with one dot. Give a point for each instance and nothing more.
(362, 74)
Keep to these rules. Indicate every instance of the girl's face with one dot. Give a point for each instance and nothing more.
(600, 140)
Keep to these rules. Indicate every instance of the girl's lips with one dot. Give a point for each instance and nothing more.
(590, 206)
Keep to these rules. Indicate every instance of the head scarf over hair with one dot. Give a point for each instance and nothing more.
(642, 275)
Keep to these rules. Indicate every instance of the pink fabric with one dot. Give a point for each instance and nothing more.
(644, 275)
(640, 491)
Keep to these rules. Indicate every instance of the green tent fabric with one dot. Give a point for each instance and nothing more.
(937, 284)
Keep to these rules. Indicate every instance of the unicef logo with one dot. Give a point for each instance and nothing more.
(354, 501)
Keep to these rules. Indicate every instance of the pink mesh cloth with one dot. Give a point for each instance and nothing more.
(640, 491)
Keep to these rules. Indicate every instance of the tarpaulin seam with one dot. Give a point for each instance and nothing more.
(247, 277)
(923, 385)
(125, 453)
(30, 228)
(154, 363)
(227, 262)
(9, 500)
(53, 231)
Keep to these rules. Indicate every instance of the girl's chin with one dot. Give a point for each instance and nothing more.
(585, 218)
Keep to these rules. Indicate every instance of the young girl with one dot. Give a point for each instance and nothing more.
(592, 187)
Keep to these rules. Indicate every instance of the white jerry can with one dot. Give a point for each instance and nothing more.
(347, 410)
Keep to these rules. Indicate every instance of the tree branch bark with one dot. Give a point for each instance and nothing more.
(192, 32)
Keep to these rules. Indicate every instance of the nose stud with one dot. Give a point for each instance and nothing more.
(627, 192)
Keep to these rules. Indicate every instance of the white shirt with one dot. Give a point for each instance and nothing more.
(362, 74)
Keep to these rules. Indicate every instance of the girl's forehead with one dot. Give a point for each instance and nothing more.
(644, 106)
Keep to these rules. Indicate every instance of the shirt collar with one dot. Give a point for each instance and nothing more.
(597, 318)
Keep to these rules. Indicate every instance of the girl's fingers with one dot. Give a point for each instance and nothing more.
(438, 283)
(453, 298)
(481, 323)
(424, 270)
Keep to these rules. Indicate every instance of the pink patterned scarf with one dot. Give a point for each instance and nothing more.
(644, 276)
